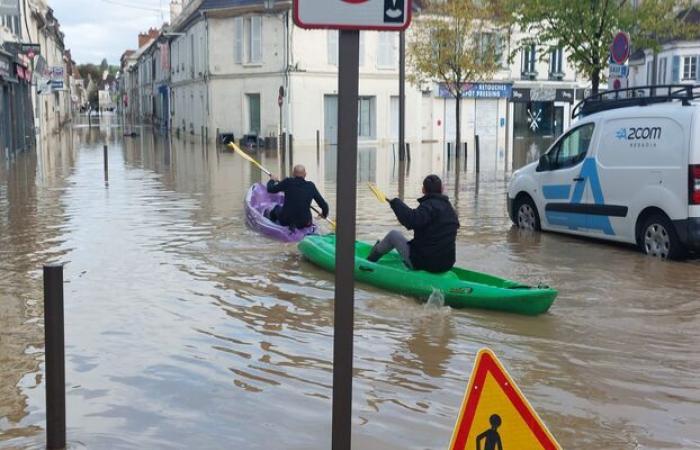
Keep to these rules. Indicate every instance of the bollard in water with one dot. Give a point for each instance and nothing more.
(106, 163)
(54, 355)
(318, 146)
(291, 152)
(466, 154)
(408, 151)
(477, 155)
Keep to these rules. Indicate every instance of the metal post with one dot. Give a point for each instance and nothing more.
(449, 155)
(408, 152)
(291, 153)
(477, 154)
(466, 154)
(402, 96)
(283, 154)
(318, 145)
(55, 357)
(105, 158)
(348, 78)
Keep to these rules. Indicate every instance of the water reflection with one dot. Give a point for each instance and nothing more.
(186, 329)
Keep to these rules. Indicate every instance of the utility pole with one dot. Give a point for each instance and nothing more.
(402, 96)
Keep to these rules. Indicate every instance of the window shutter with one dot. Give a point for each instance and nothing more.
(697, 67)
(238, 40)
(676, 69)
(256, 39)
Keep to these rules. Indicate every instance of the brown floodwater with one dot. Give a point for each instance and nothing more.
(185, 329)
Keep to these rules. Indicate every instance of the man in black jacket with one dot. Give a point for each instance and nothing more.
(298, 194)
(434, 224)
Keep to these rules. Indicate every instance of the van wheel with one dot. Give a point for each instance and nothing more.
(526, 215)
(659, 238)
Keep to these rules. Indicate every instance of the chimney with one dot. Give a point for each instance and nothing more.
(146, 38)
(175, 9)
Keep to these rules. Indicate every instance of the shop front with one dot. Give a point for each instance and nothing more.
(540, 116)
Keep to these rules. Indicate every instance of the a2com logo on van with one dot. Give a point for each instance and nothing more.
(638, 133)
(576, 215)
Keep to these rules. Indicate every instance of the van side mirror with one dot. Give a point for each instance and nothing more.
(544, 163)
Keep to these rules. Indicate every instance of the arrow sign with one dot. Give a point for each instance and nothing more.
(382, 15)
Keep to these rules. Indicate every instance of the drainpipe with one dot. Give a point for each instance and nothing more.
(287, 63)
(205, 74)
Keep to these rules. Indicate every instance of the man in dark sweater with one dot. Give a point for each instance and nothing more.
(434, 224)
(298, 194)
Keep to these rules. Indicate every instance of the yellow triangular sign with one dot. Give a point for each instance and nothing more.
(495, 414)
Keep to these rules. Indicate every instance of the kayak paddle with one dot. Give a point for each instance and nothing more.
(247, 157)
(250, 159)
(381, 196)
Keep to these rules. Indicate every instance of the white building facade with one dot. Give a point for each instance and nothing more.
(234, 56)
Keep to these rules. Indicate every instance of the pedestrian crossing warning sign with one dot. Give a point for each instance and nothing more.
(495, 415)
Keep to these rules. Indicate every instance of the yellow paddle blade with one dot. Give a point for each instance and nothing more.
(377, 192)
(331, 222)
(247, 157)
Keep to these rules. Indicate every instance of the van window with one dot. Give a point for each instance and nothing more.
(572, 149)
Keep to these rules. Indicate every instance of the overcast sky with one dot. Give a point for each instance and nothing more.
(97, 29)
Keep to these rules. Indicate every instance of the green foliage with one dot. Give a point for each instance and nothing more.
(455, 42)
(585, 28)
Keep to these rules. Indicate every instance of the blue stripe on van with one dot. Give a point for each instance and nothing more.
(556, 191)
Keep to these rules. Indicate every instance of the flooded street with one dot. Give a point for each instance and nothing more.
(185, 329)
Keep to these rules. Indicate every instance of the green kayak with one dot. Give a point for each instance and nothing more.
(461, 288)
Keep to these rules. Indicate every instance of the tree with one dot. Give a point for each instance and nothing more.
(585, 28)
(455, 42)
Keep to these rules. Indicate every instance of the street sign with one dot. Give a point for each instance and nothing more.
(619, 70)
(494, 411)
(383, 15)
(620, 48)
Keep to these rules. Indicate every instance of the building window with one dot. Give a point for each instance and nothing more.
(690, 68)
(332, 47)
(366, 117)
(387, 54)
(556, 64)
(529, 55)
(254, 113)
(491, 45)
(248, 40)
(661, 79)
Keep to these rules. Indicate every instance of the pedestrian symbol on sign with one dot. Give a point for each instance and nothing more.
(493, 439)
(393, 11)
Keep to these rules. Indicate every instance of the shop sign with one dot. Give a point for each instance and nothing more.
(521, 95)
(479, 90)
(565, 95)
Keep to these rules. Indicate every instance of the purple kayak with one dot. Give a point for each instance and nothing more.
(257, 201)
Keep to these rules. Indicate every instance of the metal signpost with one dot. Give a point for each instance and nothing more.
(348, 16)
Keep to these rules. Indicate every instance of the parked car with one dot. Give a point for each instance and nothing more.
(627, 170)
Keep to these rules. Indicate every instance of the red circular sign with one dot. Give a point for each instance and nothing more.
(620, 48)
(617, 84)
(280, 100)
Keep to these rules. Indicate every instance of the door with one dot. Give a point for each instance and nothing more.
(254, 114)
(330, 119)
(563, 177)
(394, 119)
(486, 127)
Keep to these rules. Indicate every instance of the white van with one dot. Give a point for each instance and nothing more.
(628, 170)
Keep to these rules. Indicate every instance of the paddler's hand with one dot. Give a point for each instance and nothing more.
(274, 178)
